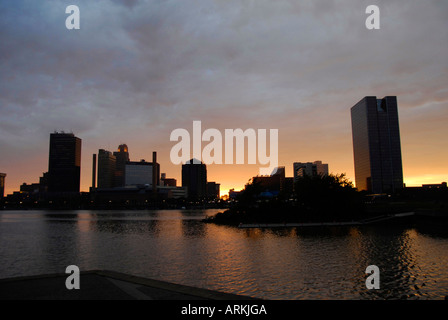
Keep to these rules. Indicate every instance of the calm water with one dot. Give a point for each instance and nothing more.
(271, 264)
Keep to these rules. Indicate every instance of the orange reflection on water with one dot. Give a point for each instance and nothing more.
(84, 222)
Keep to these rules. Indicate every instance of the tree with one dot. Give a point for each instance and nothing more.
(249, 195)
(327, 196)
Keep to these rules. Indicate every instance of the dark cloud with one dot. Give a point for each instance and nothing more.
(126, 3)
(135, 66)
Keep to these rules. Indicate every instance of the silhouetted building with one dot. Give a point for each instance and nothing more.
(270, 184)
(213, 190)
(106, 169)
(288, 186)
(442, 185)
(64, 165)
(2, 184)
(273, 183)
(130, 196)
(94, 171)
(30, 188)
(174, 192)
(233, 195)
(309, 168)
(194, 177)
(141, 173)
(121, 158)
(36, 188)
(376, 145)
(169, 182)
(43, 181)
(426, 192)
(155, 173)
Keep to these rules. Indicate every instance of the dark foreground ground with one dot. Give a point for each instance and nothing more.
(103, 285)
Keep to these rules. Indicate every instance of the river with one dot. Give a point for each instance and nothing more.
(281, 264)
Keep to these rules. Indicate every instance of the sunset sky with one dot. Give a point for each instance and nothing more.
(137, 70)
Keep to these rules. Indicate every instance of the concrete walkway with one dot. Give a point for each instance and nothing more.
(104, 285)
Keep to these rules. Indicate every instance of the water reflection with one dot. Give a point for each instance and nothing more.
(434, 230)
(124, 227)
(284, 263)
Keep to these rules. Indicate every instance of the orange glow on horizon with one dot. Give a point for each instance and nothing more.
(417, 181)
(229, 176)
(235, 176)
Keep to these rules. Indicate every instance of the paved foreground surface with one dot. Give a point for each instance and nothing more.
(104, 285)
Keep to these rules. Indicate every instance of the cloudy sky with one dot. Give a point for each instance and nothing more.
(136, 70)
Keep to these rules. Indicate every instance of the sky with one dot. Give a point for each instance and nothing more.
(137, 70)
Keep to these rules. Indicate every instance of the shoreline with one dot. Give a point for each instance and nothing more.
(325, 224)
(227, 218)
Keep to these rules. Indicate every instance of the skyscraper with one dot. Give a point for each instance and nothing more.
(194, 177)
(376, 145)
(106, 169)
(121, 157)
(64, 164)
(2, 184)
(93, 172)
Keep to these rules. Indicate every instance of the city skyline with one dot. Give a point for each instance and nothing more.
(98, 177)
(136, 71)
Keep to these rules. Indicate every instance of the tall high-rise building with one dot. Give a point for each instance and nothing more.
(121, 158)
(106, 169)
(2, 184)
(309, 168)
(194, 177)
(93, 172)
(376, 145)
(64, 164)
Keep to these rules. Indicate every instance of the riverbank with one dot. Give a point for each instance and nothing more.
(401, 212)
(374, 220)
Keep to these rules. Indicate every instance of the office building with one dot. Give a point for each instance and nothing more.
(442, 185)
(64, 165)
(93, 172)
(233, 195)
(36, 188)
(2, 184)
(173, 192)
(273, 183)
(121, 158)
(169, 182)
(106, 169)
(301, 169)
(194, 177)
(141, 173)
(376, 145)
(213, 190)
